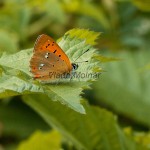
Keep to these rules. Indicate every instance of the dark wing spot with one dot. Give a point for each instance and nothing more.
(53, 65)
(54, 51)
(52, 44)
(47, 45)
(59, 55)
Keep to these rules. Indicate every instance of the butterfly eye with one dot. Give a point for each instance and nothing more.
(75, 66)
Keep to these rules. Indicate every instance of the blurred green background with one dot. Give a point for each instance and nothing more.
(124, 87)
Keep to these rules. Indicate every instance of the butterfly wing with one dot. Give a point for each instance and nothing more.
(48, 58)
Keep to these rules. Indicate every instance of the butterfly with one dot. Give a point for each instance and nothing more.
(49, 60)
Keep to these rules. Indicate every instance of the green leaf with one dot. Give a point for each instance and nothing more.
(18, 60)
(15, 21)
(40, 140)
(14, 85)
(97, 129)
(16, 79)
(8, 42)
(142, 4)
(89, 36)
(75, 48)
(105, 59)
(67, 94)
(49, 8)
(146, 67)
(83, 7)
(139, 136)
(125, 88)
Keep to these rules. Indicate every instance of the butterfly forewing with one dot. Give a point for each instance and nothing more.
(45, 42)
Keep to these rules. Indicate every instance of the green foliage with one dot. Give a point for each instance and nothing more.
(130, 94)
(13, 83)
(19, 117)
(123, 86)
(81, 7)
(50, 8)
(49, 140)
(142, 4)
(139, 137)
(97, 129)
(89, 36)
(8, 42)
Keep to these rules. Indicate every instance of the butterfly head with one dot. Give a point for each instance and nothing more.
(74, 66)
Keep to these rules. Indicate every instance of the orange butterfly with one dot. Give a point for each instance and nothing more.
(48, 58)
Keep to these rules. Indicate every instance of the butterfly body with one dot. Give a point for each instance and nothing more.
(49, 58)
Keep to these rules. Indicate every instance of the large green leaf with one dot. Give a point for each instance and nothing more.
(40, 140)
(125, 86)
(97, 129)
(16, 78)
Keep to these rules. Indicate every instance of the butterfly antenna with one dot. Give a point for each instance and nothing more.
(80, 56)
(82, 61)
